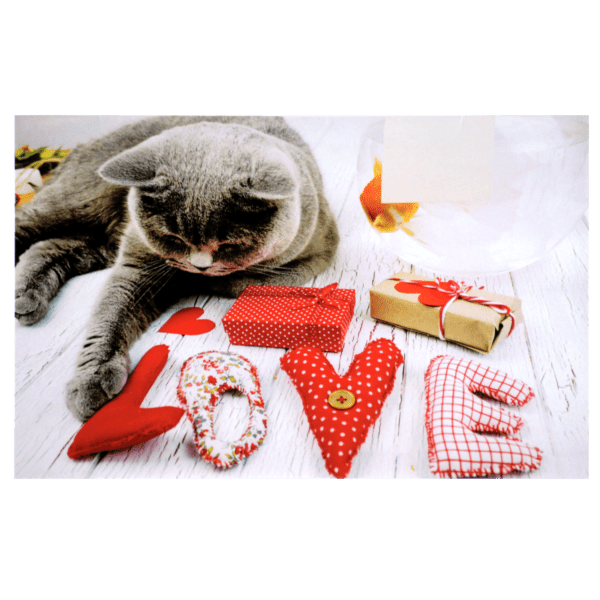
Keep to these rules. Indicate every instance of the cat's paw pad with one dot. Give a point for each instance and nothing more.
(91, 389)
(30, 306)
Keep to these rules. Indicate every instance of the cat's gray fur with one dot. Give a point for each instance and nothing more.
(248, 181)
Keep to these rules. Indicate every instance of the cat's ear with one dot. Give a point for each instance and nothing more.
(136, 166)
(274, 176)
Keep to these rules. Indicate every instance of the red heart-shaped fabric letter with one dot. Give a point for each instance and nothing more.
(340, 433)
(122, 423)
(187, 322)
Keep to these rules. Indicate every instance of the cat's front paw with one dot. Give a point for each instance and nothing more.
(93, 387)
(30, 306)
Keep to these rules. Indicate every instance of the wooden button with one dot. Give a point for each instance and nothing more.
(341, 399)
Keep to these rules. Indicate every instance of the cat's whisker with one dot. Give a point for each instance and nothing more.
(143, 287)
(164, 282)
(159, 276)
(263, 272)
(158, 273)
(270, 273)
(278, 267)
(165, 279)
(270, 270)
(145, 297)
(153, 265)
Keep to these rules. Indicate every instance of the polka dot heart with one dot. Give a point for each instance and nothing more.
(289, 317)
(340, 433)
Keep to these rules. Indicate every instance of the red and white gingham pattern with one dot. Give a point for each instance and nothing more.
(456, 418)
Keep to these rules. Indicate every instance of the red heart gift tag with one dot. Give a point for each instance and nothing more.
(428, 296)
(342, 409)
(187, 322)
(122, 423)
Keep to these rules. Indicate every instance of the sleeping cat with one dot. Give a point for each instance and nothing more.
(177, 206)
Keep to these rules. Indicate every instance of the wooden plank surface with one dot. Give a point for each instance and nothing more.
(549, 352)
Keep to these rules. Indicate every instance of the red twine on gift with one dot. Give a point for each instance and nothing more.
(444, 293)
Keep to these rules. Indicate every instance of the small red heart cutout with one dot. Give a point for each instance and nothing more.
(187, 322)
(122, 423)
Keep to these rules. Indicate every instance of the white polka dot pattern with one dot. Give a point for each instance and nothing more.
(285, 317)
(456, 418)
(370, 378)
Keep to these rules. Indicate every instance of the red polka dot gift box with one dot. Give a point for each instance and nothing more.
(288, 317)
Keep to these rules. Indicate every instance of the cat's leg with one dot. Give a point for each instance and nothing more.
(136, 293)
(45, 217)
(45, 267)
(64, 208)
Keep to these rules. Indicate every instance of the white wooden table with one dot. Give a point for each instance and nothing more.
(550, 353)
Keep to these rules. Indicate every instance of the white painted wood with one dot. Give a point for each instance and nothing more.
(549, 352)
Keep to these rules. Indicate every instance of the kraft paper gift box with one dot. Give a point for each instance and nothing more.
(476, 326)
(290, 317)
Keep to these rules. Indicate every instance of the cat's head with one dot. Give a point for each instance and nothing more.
(211, 198)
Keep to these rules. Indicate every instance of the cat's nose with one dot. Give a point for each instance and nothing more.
(201, 259)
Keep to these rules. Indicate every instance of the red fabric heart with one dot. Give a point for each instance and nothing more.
(427, 296)
(187, 322)
(370, 378)
(122, 423)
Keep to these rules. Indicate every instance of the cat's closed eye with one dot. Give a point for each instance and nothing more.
(228, 246)
(171, 237)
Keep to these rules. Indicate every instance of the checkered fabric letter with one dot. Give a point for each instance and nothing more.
(456, 418)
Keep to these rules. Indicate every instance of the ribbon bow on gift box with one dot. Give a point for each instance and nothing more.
(444, 293)
(322, 298)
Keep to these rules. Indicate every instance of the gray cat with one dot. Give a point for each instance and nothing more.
(177, 205)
